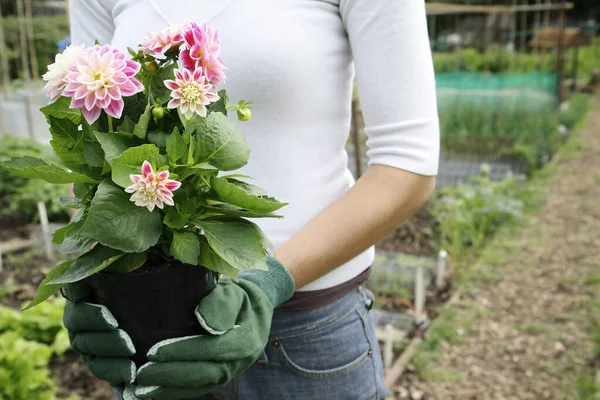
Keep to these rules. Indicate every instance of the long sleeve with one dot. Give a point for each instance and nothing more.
(396, 82)
(91, 20)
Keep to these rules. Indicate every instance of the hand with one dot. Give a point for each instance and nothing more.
(238, 317)
(95, 334)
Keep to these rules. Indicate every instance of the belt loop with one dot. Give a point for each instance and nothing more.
(370, 298)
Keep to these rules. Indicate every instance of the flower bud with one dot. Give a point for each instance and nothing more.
(151, 66)
(158, 112)
(244, 113)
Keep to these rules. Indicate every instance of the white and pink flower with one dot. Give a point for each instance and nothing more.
(203, 50)
(99, 79)
(159, 42)
(152, 190)
(55, 77)
(190, 92)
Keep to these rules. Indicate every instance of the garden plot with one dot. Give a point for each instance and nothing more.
(401, 284)
(455, 171)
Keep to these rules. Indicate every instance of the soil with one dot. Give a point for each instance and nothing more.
(415, 236)
(73, 378)
(21, 276)
(19, 280)
(529, 340)
(12, 227)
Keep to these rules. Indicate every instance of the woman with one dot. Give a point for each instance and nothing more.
(296, 60)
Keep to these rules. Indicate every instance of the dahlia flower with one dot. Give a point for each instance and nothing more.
(152, 190)
(157, 43)
(203, 51)
(99, 79)
(55, 77)
(190, 92)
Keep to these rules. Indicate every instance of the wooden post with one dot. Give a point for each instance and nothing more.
(574, 68)
(31, 39)
(45, 225)
(4, 58)
(432, 23)
(523, 35)
(23, 41)
(441, 269)
(560, 58)
(537, 24)
(419, 294)
(513, 36)
(546, 24)
(388, 347)
(26, 70)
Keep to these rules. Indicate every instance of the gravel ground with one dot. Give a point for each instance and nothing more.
(522, 335)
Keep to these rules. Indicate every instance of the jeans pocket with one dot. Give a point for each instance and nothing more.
(334, 350)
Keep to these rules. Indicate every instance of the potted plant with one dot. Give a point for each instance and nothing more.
(144, 141)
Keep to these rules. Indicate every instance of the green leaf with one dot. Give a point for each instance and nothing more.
(158, 138)
(45, 290)
(116, 222)
(231, 193)
(130, 162)
(220, 142)
(93, 154)
(134, 107)
(76, 244)
(127, 126)
(229, 210)
(60, 109)
(83, 192)
(31, 167)
(185, 247)
(219, 105)
(67, 143)
(209, 259)
(59, 235)
(176, 147)
(128, 263)
(191, 206)
(114, 144)
(88, 264)
(157, 85)
(246, 187)
(236, 242)
(176, 220)
(142, 126)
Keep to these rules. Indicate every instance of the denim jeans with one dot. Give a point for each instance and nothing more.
(326, 353)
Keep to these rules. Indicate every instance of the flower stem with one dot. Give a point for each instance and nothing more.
(205, 181)
(110, 123)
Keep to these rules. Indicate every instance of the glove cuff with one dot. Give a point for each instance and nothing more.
(76, 291)
(277, 283)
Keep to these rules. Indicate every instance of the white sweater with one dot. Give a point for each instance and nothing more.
(296, 60)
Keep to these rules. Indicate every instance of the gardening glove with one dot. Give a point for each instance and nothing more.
(95, 334)
(237, 317)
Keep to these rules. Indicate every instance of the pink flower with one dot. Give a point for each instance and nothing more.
(203, 51)
(190, 92)
(99, 80)
(157, 43)
(152, 190)
(55, 77)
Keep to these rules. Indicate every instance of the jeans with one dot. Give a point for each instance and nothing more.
(326, 353)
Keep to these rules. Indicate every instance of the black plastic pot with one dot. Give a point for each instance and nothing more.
(154, 306)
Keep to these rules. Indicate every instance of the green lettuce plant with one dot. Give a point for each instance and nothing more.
(24, 373)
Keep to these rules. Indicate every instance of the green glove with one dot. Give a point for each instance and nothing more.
(95, 334)
(238, 317)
